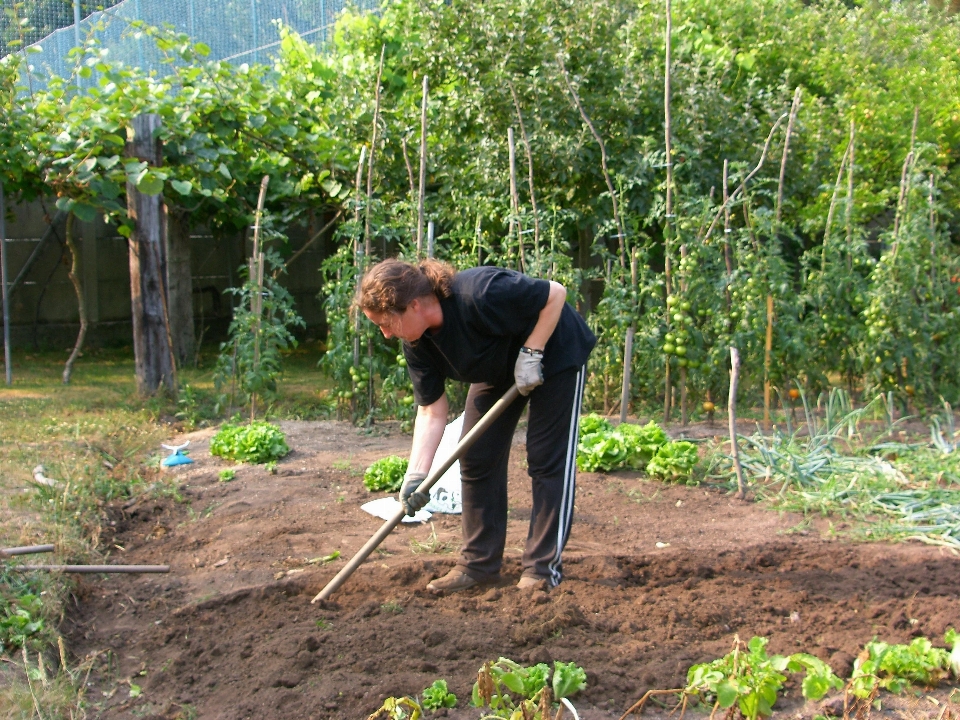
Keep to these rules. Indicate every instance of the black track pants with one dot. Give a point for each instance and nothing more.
(552, 429)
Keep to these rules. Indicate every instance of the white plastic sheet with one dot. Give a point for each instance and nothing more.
(444, 495)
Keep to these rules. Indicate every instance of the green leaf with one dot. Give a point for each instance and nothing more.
(513, 682)
(568, 679)
(727, 694)
(84, 212)
(125, 231)
(108, 162)
(65, 203)
(184, 187)
(201, 49)
(149, 183)
(225, 171)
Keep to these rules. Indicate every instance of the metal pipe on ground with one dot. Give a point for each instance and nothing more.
(25, 550)
(374, 542)
(94, 568)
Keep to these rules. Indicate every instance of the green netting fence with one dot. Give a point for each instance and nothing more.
(236, 30)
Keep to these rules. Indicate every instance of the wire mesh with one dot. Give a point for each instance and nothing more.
(235, 30)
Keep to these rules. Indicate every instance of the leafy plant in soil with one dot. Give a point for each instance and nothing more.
(437, 696)
(608, 448)
(19, 620)
(511, 690)
(258, 442)
(895, 668)
(674, 462)
(386, 474)
(752, 680)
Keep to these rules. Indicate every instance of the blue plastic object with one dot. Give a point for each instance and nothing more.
(177, 458)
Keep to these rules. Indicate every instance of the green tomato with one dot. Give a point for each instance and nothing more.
(671, 300)
(682, 362)
(348, 394)
(685, 306)
(669, 337)
(677, 318)
(408, 400)
(669, 348)
(681, 350)
(402, 362)
(693, 364)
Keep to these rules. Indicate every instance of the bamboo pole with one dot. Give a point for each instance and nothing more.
(373, 152)
(833, 204)
(4, 286)
(794, 109)
(515, 228)
(768, 346)
(256, 276)
(850, 198)
(423, 166)
(767, 352)
(732, 420)
(735, 195)
(628, 346)
(533, 196)
(668, 224)
(727, 231)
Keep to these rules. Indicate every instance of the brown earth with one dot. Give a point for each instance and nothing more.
(657, 578)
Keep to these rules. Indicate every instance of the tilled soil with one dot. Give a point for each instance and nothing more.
(657, 578)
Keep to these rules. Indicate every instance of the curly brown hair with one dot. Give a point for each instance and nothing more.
(391, 285)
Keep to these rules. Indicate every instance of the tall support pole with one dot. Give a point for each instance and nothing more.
(421, 191)
(253, 34)
(5, 289)
(76, 29)
(668, 226)
(192, 19)
(152, 342)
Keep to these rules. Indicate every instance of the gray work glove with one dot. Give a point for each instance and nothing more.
(409, 497)
(527, 372)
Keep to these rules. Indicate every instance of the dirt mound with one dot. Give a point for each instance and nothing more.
(657, 578)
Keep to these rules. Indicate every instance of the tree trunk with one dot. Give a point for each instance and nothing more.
(74, 275)
(180, 285)
(152, 345)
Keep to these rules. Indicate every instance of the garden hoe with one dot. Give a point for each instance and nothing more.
(387, 527)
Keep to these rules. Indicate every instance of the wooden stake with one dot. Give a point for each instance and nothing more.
(767, 348)
(732, 416)
(794, 108)
(423, 167)
(256, 277)
(533, 196)
(849, 214)
(668, 221)
(627, 367)
(5, 287)
(373, 152)
(515, 201)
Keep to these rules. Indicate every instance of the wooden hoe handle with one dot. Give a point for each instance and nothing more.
(492, 414)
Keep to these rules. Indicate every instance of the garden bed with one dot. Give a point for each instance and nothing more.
(658, 578)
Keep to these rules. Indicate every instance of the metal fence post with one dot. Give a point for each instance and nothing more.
(323, 23)
(76, 30)
(191, 20)
(253, 23)
(5, 290)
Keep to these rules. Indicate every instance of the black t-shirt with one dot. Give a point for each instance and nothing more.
(486, 320)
